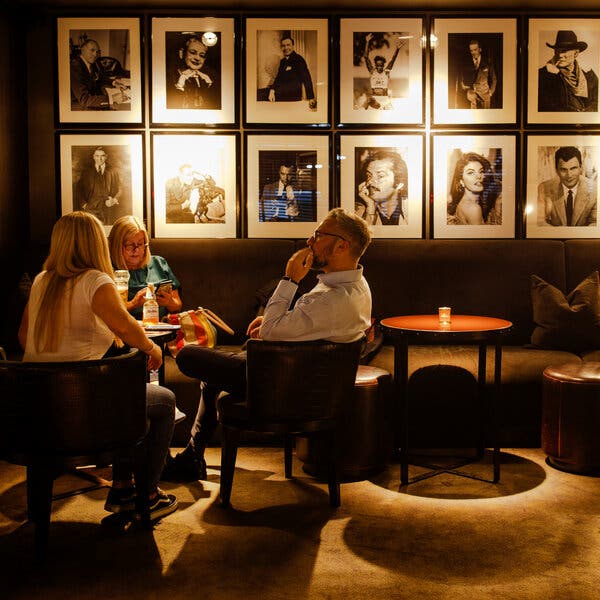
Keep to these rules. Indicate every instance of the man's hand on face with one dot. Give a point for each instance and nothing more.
(299, 264)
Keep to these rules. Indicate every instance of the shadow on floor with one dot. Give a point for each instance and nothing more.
(517, 475)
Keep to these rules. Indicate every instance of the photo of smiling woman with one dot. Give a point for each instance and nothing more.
(193, 71)
(475, 189)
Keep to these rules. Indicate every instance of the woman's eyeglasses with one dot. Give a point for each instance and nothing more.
(134, 247)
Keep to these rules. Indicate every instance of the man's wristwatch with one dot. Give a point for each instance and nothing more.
(286, 278)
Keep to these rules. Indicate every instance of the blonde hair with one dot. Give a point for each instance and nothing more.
(123, 228)
(77, 245)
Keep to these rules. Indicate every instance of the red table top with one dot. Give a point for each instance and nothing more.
(457, 323)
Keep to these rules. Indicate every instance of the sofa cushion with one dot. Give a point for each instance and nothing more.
(571, 322)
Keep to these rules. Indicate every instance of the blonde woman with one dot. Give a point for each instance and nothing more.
(130, 249)
(74, 312)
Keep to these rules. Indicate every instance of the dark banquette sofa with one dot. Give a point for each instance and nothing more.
(485, 277)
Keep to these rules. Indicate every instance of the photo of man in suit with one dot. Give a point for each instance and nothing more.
(288, 193)
(477, 83)
(563, 85)
(293, 81)
(99, 188)
(569, 199)
(475, 70)
(98, 82)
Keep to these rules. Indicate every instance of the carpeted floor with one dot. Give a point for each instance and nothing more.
(535, 535)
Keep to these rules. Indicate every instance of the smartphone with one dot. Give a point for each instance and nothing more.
(164, 286)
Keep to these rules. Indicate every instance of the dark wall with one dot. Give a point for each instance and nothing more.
(14, 205)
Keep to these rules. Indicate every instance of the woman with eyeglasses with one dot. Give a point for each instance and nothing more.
(129, 249)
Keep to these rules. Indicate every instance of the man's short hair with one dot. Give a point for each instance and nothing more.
(566, 153)
(287, 37)
(88, 42)
(398, 165)
(355, 228)
(379, 58)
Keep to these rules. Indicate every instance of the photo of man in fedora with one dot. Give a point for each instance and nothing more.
(563, 85)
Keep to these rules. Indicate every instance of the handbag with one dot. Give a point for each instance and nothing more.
(196, 327)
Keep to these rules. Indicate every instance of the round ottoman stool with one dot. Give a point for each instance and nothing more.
(571, 417)
(364, 431)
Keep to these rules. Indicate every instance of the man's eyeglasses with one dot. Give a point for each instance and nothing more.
(134, 247)
(318, 233)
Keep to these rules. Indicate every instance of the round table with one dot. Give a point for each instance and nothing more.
(427, 329)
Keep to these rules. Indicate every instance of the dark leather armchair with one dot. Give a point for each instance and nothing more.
(293, 388)
(57, 416)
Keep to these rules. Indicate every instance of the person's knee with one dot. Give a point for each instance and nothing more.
(159, 398)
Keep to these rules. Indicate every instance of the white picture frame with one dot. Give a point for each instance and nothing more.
(212, 161)
(500, 152)
(495, 36)
(169, 37)
(307, 157)
(404, 102)
(542, 183)
(357, 151)
(119, 40)
(263, 56)
(542, 33)
(124, 153)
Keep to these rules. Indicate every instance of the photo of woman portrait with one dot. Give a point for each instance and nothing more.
(475, 190)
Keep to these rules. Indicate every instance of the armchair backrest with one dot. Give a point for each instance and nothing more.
(72, 408)
(299, 380)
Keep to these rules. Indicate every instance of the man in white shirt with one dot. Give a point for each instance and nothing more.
(337, 309)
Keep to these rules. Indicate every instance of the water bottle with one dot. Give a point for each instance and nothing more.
(150, 309)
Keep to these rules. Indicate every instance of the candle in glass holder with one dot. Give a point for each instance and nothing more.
(444, 315)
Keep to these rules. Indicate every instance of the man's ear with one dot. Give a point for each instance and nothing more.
(181, 53)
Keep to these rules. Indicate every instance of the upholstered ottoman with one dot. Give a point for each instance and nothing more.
(364, 432)
(571, 417)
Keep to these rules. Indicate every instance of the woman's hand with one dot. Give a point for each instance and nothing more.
(169, 299)
(155, 358)
(138, 300)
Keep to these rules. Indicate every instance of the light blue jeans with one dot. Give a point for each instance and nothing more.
(146, 463)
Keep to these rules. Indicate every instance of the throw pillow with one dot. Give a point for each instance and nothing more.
(569, 322)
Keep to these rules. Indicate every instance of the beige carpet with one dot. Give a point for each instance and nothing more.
(535, 535)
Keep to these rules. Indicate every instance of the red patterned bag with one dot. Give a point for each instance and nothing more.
(197, 327)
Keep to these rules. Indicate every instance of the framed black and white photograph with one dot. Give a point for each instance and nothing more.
(102, 174)
(381, 180)
(193, 70)
(99, 70)
(562, 186)
(474, 183)
(287, 189)
(474, 75)
(563, 62)
(194, 185)
(287, 71)
(381, 71)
